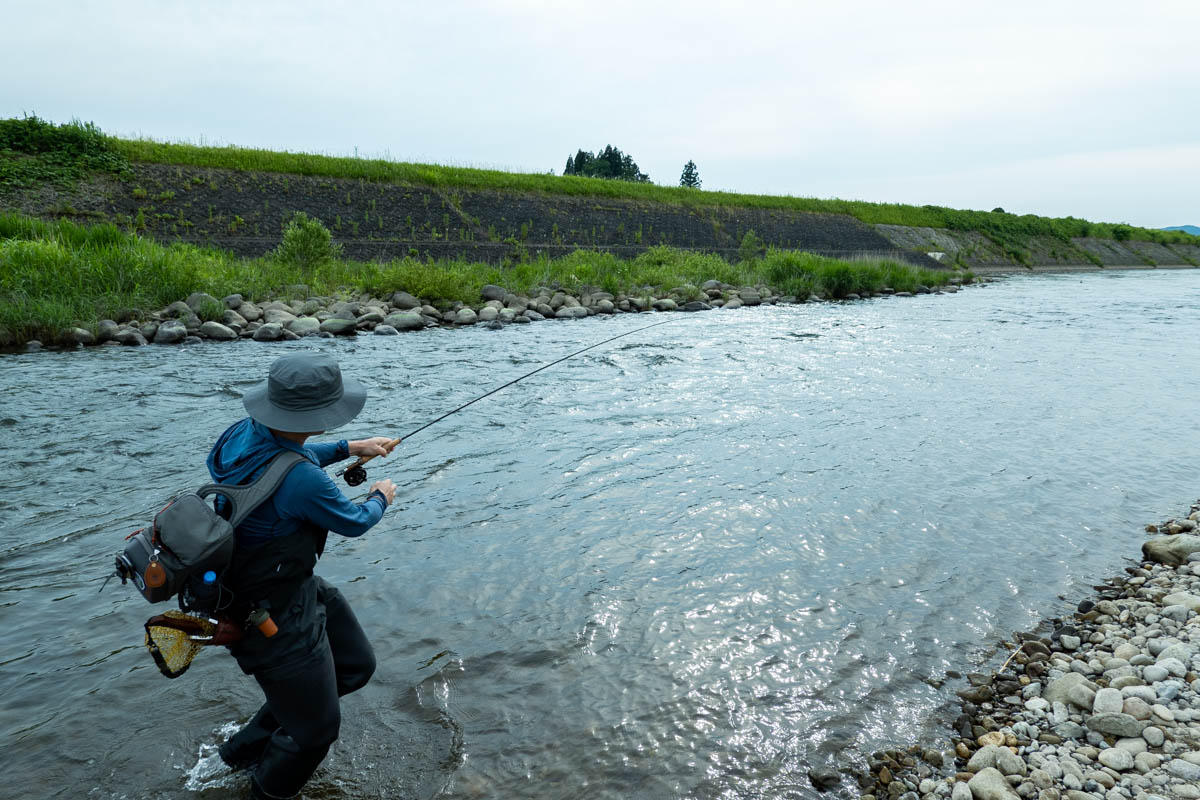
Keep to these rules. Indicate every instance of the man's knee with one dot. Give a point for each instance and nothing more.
(319, 731)
(355, 675)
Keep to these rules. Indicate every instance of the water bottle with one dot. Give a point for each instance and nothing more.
(208, 592)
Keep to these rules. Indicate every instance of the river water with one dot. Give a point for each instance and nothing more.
(692, 563)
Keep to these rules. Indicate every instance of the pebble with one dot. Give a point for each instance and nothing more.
(1116, 758)
(1104, 707)
(1107, 700)
(1184, 769)
(1162, 712)
(1155, 673)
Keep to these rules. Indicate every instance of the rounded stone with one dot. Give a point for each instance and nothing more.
(1116, 724)
(1136, 707)
(990, 784)
(1010, 763)
(250, 311)
(1173, 666)
(1116, 758)
(1145, 762)
(217, 332)
(339, 327)
(1184, 769)
(170, 332)
(1154, 673)
(1107, 700)
(82, 336)
(405, 321)
(197, 300)
(130, 337)
(1125, 651)
(304, 326)
(268, 332)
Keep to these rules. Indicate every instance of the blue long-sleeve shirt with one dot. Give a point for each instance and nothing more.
(307, 496)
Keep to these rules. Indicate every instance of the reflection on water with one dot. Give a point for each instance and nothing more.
(692, 563)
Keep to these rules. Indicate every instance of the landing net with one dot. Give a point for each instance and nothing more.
(169, 638)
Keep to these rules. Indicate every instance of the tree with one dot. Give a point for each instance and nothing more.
(307, 243)
(691, 176)
(751, 248)
(608, 163)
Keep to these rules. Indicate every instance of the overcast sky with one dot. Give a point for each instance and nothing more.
(1085, 109)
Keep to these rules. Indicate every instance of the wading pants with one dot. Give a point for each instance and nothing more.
(319, 654)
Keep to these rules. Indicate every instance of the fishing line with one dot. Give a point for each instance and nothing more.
(355, 474)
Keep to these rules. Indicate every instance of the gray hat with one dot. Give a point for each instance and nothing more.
(305, 393)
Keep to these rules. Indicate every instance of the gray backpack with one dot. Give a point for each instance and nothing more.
(188, 546)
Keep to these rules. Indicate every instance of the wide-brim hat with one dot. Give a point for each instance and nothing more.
(305, 393)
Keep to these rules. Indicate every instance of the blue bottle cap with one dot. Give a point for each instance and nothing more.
(210, 577)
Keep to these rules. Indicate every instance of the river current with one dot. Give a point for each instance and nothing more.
(692, 563)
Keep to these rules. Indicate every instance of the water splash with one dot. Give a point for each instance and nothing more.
(209, 771)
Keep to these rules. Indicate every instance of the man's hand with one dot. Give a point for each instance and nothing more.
(376, 446)
(386, 488)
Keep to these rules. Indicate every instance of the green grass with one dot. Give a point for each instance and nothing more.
(1007, 229)
(56, 275)
(32, 149)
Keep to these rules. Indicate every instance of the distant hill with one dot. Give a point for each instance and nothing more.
(1192, 229)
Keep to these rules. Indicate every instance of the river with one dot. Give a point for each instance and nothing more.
(692, 563)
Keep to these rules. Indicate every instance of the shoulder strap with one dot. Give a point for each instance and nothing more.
(246, 497)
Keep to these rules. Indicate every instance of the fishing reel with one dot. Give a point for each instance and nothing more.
(356, 475)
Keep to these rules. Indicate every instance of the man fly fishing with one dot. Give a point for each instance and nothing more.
(319, 652)
(303, 644)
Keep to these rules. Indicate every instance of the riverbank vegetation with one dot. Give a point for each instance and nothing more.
(34, 151)
(57, 275)
(31, 147)
(1005, 225)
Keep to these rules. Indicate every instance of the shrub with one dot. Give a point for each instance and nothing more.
(210, 310)
(307, 243)
(751, 247)
(33, 150)
(839, 279)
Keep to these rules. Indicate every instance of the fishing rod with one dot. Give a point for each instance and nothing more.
(355, 474)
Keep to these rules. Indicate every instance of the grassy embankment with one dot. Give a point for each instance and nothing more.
(33, 150)
(56, 275)
(998, 225)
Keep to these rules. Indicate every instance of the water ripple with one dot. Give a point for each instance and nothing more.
(693, 563)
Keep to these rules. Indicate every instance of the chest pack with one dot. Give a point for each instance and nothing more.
(189, 546)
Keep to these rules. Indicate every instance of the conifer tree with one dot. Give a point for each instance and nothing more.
(691, 176)
(607, 163)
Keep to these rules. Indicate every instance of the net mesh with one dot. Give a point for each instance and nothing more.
(170, 640)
